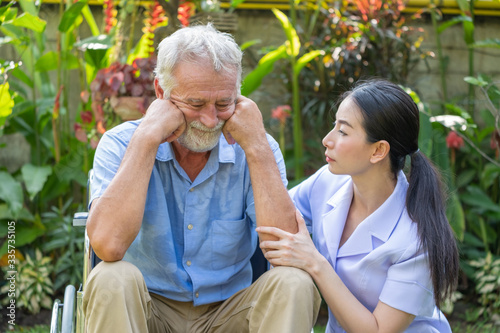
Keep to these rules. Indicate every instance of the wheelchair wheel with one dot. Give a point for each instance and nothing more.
(68, 313)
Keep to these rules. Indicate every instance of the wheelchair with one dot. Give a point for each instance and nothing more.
(67, 315)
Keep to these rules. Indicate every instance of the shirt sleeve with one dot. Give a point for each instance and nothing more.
(107, 160)
(408, 286)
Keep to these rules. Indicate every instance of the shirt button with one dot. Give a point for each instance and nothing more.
(190, 226)
(191, 189)
(197, 295)
(188, 262)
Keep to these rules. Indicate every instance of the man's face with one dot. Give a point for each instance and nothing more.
(207, 99)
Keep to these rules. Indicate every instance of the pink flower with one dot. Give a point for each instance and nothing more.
(281, 112)
(454, 141)
(80, 133)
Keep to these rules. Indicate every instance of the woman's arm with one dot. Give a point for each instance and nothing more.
(298, 250)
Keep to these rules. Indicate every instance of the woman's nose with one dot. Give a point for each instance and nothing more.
(328, 140)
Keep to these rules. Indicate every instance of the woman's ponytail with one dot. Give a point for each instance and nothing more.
(425, 205)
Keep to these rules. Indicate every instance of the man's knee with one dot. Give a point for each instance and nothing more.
(110, 280)
(114, 274)
(289, 283)
(291, 276)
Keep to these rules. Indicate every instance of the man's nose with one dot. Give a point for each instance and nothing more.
(208, 116)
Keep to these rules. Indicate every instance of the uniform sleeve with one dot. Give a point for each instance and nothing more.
(408, 286)
(302, 196)
(107, 160)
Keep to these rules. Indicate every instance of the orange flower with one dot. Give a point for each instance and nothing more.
(281, 113)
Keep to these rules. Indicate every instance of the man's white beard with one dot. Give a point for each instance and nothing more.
(199, 138)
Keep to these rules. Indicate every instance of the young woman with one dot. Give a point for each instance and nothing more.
(384, 256)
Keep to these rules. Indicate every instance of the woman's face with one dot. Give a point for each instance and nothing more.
(347, 150)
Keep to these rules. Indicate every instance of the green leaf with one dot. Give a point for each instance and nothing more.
(4, 11)
(24, 235)
(71, 15)
(477, 198)
(456, 217)
(29, 6)
(475, 81)
(468, 32)
(11, 192)
(101, 42)
(87, 14)
(490, 42)
(291, 34)
(253, 79)
(49, 61)
(34, 178)
(305, 59)
(458, 19)
(464, 5)
(246, 45)
(490, 173)
(6, 214)
(28, 21)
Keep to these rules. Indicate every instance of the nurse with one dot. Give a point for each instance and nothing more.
(382, 251)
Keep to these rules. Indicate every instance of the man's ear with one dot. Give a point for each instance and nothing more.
(381, 150)
(158, 89)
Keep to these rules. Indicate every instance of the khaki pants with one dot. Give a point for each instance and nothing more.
(283, 300)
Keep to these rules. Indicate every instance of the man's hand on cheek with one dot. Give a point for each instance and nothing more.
(164, 120)
(245, 126)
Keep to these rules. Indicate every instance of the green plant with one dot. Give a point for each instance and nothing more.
(290, 51)
(33, 286)
(487, 277)
(34, 329)
(66, 244)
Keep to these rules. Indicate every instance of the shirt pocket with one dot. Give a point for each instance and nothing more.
(231, 242)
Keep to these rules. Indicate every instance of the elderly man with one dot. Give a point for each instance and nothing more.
(175, 202)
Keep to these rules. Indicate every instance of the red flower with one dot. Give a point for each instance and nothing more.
(185, 11)
(495, 140)
(281, 113)
(86, 117)
(454, 141)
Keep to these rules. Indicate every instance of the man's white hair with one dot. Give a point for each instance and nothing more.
(194, 44)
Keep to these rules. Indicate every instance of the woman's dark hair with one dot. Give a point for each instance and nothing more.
(390, 114)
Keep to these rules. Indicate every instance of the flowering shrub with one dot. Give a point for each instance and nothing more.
(119, 92)
(281, 113)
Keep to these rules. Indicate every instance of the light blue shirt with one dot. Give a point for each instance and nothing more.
(196, 238)
(381, 260)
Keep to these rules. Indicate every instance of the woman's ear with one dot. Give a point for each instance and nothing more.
(158, 89)
(382, 149)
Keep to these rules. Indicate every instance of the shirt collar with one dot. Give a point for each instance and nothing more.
(379, 224)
